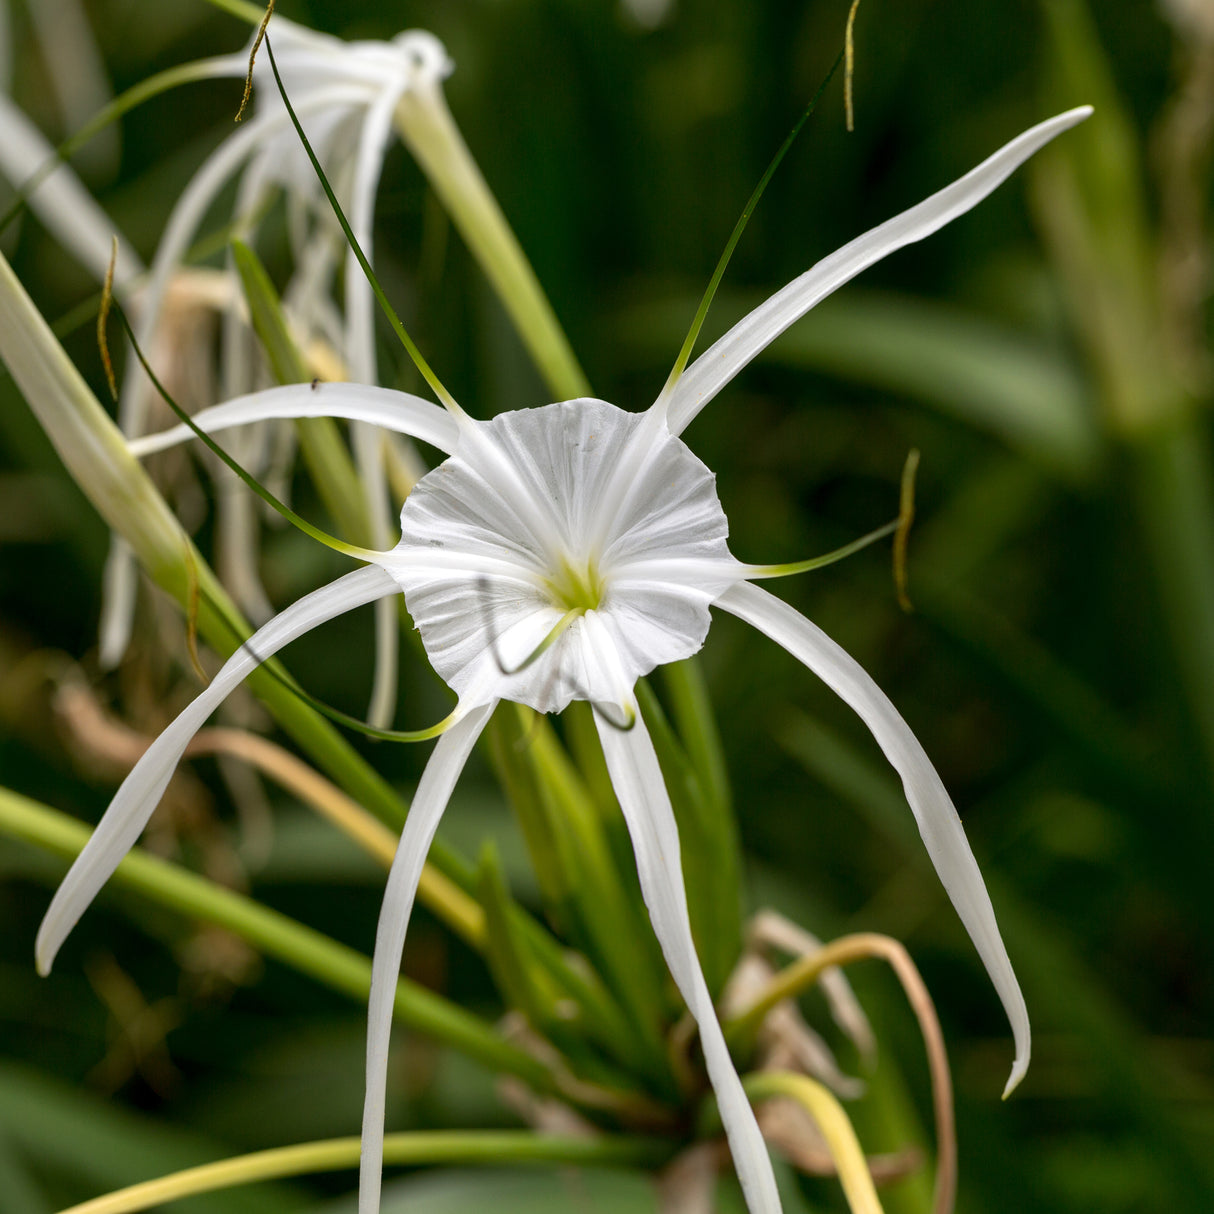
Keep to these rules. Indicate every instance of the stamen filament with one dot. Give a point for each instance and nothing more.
(554, 635)
(278, 673)
(103, 316)
(849, 69)
(370, 555)
(906, 516)
(257, 41)
(817, 562)
(370, 731)
(447, 400)
(383, 735)
(680, 363)
(628, 711)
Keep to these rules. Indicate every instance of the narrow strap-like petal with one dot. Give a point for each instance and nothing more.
(68, 210)
(637, 780)
(360, 357)
(723, 360)
(398, 411)
(188, 212)
(938, 821)
(117, 613)
(429, 802)
(360, 300)
(141, 791)
(238, 547)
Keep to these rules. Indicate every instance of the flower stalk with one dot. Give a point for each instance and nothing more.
(823, 1106)
(427, 128)
(463, 1147)
(310, 952)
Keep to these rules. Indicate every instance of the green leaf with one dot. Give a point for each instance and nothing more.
(505, 951)
(1088, 193)
(303, 948)
(707, 839)
(582, 888)
(320, 440)
(717, 826)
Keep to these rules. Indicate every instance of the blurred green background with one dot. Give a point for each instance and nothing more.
(1045, 356)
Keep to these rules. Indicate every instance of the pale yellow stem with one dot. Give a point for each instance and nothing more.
(459, 912)
(822, 1105)
(337, 1154)
(428, 129)
(805, 971)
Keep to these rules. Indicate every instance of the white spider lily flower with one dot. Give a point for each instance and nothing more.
(346, 95)
(561, 553)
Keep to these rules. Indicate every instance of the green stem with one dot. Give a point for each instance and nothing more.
(836, 1128)
(338, 1154)
(680, 363)
(1173, 481)
(828, 1115)
(336, 966)
(426, 126)
(252, 13)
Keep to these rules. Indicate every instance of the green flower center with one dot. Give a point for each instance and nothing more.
(576, 587)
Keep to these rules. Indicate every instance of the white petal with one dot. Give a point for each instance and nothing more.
(238, 546)
(360, 302)
(68, 210)
(637, 780)
(493, 540)
(187, 214)
(722, 361)
(398, 411)
(429, 802)
(360, 356)
(938, 822)
(141, 791)
(119, 583)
